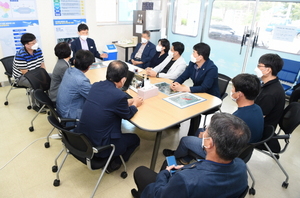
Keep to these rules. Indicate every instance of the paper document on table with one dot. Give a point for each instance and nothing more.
(184, 100)
(165, 88)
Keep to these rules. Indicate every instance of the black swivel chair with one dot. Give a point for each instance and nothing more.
(38, 79)
(288, 122)
(246, 153)
(295, 95)
(223, 82)
(78, 145)
(44, 99)
(8, 66)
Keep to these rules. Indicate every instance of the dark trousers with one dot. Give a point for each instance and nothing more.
(142, 177)
(194, 125)
(125, 146)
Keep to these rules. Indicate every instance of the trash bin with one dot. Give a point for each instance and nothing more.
(111, 51)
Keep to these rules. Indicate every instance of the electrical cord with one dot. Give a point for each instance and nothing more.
(21, 152)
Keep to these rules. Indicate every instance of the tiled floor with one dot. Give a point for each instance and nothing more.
(30, 175)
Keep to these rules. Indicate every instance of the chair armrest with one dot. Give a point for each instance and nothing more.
(99, 149)
(224, 96)
(69, 120)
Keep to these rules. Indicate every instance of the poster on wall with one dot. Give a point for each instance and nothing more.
(67, 14)
(16, 18)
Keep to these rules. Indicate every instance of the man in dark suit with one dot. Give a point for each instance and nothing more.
(85, 43)
(144, 52)
(103, 111)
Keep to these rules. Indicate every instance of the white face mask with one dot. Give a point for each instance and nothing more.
(234, 99)
(258, 72)
(170, 53)
(83, 37)
(35, 46)
(144, 40)
(193, 59)
(158, 48)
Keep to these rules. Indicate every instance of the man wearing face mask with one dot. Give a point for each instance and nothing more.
(28, 58)
(204, 74)
(172, 66)
(245, 88)
(220, 174)
(85, 43)
(107, 105)
(143, 52)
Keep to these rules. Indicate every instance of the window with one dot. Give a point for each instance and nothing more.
(115, 11)
(186, 17)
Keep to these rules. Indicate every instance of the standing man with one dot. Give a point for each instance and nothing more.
(173, 66)
(220, 174)
(85, 43)
(103, 111)
(204, 74)
(143, 52)
(28, 58)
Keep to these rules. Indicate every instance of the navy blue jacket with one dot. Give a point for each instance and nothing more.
(76, 45)
(201, 179)
(102, 113)
(206, 81)
(147, 55)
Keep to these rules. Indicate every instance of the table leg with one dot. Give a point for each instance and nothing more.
(155, 150)
(126, 54)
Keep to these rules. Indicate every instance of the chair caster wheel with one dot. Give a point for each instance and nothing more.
(252, 191)
(6, 103)
(277, 156)
(54, 169)
(47, 144)
(56, 182)
(28, 107)
(31, 129)
(124, 174)
(285, 184)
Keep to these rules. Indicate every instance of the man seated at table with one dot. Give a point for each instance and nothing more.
(74, 86)
(204, 74)
(245, 88)
(220, 174)
(143, 52)
(173, 66)
(103, 111)
(85, 43)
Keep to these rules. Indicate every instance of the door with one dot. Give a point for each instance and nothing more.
(239, 32)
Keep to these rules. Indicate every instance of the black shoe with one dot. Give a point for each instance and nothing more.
(113, 166)
(135, 193)
(168, 152)
(36, 108)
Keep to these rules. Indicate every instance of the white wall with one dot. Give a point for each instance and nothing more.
(101, 34)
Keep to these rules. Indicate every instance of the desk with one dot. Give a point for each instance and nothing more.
(156, 114)
(126, 46)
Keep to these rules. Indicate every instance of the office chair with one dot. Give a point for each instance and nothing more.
(38, 79)
(78, 145)
(288, 122)
(8, 66)
(223, 82)
(44, 99)
(246, 153)
(295, 96)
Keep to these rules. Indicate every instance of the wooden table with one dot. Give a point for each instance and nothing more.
(156, 114)
(126, 46)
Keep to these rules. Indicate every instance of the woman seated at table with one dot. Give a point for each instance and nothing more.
(162, 49)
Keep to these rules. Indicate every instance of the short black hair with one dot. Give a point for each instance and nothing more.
(229, 133)
(273, 61)
(165, 43)
(27, 37)
(82, 26)
(146, 32)
(202, 49)
(116, 70)
(178, 47)
(83, 59)
(248, 84)
(62, 50)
